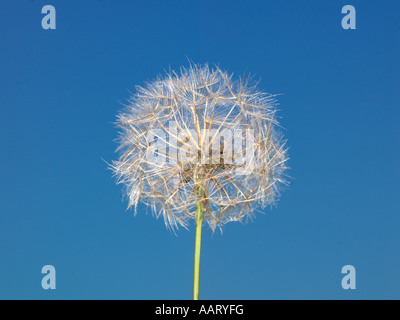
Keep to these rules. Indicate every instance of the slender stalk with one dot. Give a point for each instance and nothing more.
(197, 246)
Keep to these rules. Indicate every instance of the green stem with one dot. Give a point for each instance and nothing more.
(197, 246)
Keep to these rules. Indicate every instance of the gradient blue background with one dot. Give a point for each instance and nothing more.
(61, 89)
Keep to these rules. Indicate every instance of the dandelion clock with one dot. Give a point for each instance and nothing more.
(198, 145)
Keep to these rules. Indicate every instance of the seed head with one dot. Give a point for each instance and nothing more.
(200, 130)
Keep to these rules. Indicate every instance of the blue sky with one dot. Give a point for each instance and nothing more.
(61, 89)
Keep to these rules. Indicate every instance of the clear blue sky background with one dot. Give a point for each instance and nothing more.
(61, 89)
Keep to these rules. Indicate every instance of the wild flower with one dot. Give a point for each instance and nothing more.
(200, 145)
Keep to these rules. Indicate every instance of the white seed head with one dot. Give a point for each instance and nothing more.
(200, 130)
